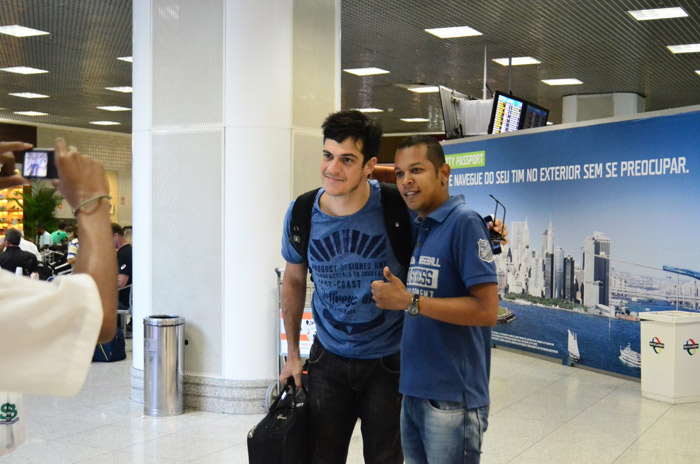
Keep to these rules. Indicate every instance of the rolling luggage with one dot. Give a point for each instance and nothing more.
(282, 437)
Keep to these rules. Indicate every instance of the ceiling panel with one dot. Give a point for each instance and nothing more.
(596, 41)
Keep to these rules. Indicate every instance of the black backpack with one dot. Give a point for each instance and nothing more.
(396, 221)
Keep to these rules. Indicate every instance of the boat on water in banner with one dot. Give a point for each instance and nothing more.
(573, 347)
(630, 357)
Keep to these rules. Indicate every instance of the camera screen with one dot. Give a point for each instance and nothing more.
(35, 164)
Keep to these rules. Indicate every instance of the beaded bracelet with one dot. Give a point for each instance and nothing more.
(88, 202)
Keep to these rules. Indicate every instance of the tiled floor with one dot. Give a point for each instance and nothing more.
(541, 412)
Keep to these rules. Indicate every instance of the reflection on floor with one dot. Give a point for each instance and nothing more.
(541, 412)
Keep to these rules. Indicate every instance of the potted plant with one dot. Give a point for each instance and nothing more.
(38, 207)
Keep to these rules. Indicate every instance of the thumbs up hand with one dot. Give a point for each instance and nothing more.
(390, 294)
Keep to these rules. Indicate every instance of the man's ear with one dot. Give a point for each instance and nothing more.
(369, 166)
(444, 173)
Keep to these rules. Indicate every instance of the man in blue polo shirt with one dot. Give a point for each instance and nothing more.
(452, 302)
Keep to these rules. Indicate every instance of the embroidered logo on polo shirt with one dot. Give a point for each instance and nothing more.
(485, 251)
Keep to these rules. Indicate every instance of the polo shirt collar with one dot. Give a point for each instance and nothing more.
(444, 210)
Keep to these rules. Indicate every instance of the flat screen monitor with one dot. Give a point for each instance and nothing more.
(535, 116)
(506, 113)
(449, 100)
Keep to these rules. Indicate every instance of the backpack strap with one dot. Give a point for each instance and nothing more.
(300, 223)
(397, 223)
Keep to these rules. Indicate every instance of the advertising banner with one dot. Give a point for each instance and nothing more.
(604, 224)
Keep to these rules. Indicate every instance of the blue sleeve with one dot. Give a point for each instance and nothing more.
(473, 251)
(288, 252)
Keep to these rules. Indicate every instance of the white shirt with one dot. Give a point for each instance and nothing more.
(49, 333)
(45, 239)
(26, 245)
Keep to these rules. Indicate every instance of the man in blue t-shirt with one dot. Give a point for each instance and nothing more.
(354, 359)
(452, 302)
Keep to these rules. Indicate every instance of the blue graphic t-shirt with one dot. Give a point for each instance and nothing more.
(442, 361)
(345, 255)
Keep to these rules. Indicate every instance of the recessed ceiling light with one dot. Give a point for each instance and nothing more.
(452, 32)
(31, 113)
(658, 13)
(697, 72)
(415, 120)
(126, 58)
(550, 123)
(517, 61)
(125, 89)
(366, 71)
(424, 88)
(688, 48)
(29, 95)
(21, 31)
(23, 70)
(105, 123)
(562, 81)
(113, 108)
(369, 110)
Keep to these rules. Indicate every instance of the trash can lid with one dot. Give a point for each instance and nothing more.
(671, 317)
(161, 320)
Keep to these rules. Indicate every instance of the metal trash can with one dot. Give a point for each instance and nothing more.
(163, 337)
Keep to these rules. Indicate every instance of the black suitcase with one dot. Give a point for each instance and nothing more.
(282, 437)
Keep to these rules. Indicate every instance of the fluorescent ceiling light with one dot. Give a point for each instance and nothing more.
(125, 89)
(105, 123)
(562, 81)
(369, 110)
(415, 120)
(31, 113)
(424, 88)
(452, 32)
(23, 70)
(113, 108)
(126, 58)
(658, 13)
(29, 95)
(688, 48)
(21, 31)
(366, 71)
(517, 61)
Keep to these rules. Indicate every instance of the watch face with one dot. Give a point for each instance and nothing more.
(413, 307)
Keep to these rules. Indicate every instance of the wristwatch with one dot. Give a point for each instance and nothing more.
(412, 309)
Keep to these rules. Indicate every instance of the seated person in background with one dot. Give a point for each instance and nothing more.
(58, 236)
(14, 257)
(124, 262)
(50, 328)
(29, 246)
(73, 247)
(45, 239)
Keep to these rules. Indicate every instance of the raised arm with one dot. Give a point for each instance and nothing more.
(83, 182)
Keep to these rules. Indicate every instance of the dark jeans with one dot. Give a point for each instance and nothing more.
(341, 390)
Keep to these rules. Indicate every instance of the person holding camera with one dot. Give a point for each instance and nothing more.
(50, 329)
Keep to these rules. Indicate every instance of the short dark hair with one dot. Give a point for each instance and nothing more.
(434, 150)
(13, 236)
(61, 225)
(357, 126)
(117, 229)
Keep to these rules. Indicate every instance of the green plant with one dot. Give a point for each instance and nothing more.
(38, 207)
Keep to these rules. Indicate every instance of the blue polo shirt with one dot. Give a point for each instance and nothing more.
(442, 361)
(345, 255)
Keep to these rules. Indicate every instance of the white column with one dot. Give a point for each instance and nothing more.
(212, 177)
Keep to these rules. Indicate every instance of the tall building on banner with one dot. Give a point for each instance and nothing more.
(596, 270)
(569, 280)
